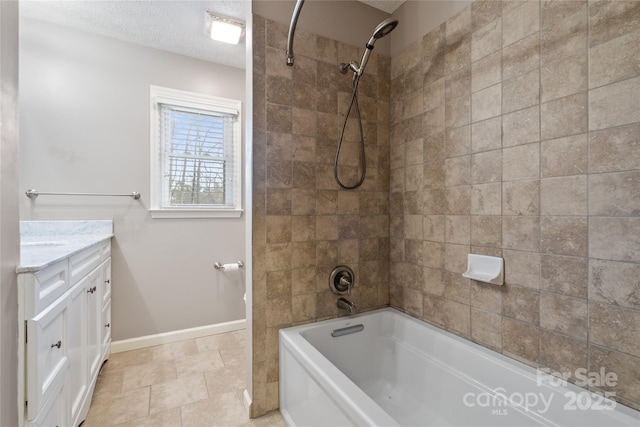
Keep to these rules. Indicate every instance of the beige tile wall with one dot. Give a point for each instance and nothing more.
(526, 146)
(303, 224)
(514, 132)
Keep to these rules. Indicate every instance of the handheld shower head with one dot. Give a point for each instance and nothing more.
(383, 28)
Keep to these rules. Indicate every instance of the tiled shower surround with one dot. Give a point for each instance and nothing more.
(514, 132)
(304, 225)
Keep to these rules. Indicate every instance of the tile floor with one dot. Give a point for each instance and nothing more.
(189, 383)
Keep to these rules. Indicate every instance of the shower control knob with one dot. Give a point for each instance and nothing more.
(341, 280)
(345, 282)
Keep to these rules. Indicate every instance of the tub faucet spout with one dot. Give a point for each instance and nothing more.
(345, 304)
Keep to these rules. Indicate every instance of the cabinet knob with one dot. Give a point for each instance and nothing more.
(58, 344)
(108, 325)
(107, 281)
(92, 290)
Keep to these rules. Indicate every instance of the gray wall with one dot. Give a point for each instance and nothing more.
(84, 121)
(9, 249)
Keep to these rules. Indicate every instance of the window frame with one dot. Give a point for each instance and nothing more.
(179, 98)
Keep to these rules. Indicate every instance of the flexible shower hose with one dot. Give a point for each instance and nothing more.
(363, 160)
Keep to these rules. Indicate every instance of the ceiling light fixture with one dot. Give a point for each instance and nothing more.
(224, 29)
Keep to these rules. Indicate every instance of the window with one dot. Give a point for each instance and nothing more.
(195, 155)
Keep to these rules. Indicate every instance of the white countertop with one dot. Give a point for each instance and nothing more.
(43, 243)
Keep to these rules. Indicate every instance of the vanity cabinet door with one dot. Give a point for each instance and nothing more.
(105, 268)
(94, 322)
(47, 362)
(106, 328)
(78, 383)
(54, 413)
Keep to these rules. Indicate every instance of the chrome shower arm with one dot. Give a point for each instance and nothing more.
(346, 66)
(292, 31)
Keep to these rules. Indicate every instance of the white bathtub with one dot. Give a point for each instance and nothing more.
(399, 371)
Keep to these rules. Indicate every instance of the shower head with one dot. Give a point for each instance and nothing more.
(383, 28)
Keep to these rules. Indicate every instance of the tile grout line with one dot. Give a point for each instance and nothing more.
(588, 91)
(540, 28)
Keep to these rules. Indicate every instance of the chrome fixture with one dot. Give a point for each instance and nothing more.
(341, 280)
(220, 266)
(32, 194)
(292, 31)
(384, 28)
(348, 330)
(345, 304)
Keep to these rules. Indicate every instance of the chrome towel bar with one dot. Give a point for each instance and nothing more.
(32, 194)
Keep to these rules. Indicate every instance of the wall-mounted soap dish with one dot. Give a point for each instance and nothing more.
(483, 268)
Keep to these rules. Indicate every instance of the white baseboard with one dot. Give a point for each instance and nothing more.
(247, 399)
(169, 337)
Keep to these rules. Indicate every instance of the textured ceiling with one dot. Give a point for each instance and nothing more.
(174, 26)
(388, 6)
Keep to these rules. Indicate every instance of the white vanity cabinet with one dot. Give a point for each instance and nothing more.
(94, 321)
(63, 308)
(78, 376)
(47, 360)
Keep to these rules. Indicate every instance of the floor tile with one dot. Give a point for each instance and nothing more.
(219, 341)
(129, 358)
(226, 379)
(272, 419)
(170, 418)
(220, 410)
(174, 350)
(121, 407)
(178, 392)
(109, 382)
(198, 363)
(192, 383)
(233, 356)
(149, 374)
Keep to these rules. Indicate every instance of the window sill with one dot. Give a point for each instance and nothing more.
(195, 213)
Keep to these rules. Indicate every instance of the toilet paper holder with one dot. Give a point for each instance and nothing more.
(222, 267)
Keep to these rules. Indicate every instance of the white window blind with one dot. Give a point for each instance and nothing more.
(198, 156)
